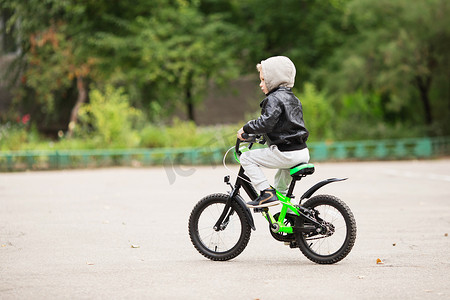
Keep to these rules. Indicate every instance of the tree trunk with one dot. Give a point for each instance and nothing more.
(82, 95)
(189, 100)
(424, 85)
(190, 105)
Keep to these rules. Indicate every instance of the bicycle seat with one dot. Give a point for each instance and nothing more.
(301, 170)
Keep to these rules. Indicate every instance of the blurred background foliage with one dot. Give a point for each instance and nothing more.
(100, 74)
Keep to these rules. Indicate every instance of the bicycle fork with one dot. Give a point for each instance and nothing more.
(228, 210)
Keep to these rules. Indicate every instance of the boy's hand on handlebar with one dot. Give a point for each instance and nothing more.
(239, 134)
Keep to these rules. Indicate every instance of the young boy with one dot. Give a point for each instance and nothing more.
(281, 123)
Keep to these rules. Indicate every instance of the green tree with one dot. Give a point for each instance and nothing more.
(163, 52)
(172, 55)
(52, 57)
(400, 51)
(306, 31)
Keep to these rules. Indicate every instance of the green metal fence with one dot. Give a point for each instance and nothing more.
(357, 150)
(379, 149)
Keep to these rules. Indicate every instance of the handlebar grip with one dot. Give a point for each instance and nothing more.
(236, 148)
(249, 138)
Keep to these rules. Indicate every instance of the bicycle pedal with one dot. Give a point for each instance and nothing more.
(260, 209)
(292, 244)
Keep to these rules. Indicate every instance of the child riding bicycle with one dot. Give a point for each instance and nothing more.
(281, 123)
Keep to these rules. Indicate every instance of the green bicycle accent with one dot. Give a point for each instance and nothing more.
(281, 217)
(242, 149)
(286, 207)
(295, 170)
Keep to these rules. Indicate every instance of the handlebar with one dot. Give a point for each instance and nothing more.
(248, 138)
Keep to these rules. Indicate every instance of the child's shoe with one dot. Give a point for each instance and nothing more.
(267, 198)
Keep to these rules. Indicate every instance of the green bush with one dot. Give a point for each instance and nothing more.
(359, 116)
(186, 134)
(317, 113)
(153, 136)
(16, 135)
(12, 137)
(108, 120)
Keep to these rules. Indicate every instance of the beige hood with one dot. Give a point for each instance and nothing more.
(278, 71)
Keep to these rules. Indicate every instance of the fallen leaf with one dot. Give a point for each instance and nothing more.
(446, 234)
(90, 263)
(394, 244)
(379, 261)
(135, 246)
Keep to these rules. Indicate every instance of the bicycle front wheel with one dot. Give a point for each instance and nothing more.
(230, 240)
(336, 243)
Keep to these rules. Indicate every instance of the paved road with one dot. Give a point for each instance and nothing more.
(122, 233)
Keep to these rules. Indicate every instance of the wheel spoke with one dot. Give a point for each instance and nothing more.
(218, 241)
(330, 243)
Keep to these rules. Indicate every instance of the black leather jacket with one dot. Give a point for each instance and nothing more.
(281, 121)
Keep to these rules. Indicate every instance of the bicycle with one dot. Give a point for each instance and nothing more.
(323, 227)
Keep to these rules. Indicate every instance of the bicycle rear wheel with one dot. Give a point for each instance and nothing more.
(336, 243)
(230, 240)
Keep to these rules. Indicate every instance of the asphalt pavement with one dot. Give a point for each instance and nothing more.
(122, 233)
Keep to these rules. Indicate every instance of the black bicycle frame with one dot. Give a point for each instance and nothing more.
(244, 182)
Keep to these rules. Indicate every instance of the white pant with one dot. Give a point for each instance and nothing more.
(272, 158)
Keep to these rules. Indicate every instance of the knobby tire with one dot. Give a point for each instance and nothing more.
(239, 218)
(350, 237)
